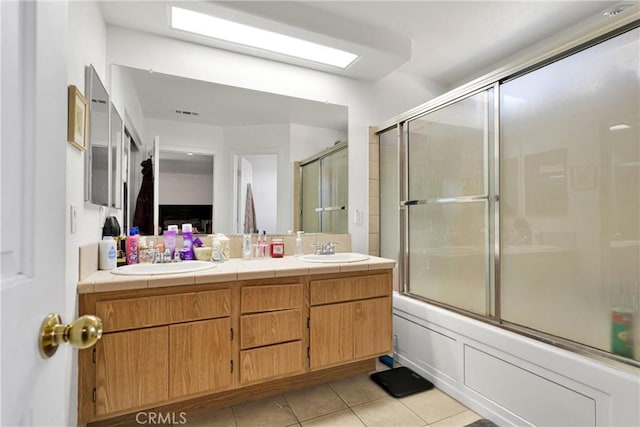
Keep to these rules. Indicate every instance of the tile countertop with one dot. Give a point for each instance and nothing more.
(231, 270)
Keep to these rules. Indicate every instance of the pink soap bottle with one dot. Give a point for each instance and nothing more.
(132, 245)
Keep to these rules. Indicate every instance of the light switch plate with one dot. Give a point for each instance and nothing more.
(357, 216)
(73, 217)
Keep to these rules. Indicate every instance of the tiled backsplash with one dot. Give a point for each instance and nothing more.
(88, 260)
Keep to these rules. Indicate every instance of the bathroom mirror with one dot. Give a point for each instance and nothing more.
(116, 150)
(226, 123)
(97, 161)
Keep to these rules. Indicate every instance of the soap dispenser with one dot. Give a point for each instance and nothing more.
(299, 251)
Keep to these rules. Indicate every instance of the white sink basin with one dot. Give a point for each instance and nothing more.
(339, 257)
(168, 268)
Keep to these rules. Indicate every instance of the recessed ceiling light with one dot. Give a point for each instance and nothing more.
(217, 28)
(621, 126)
(189, 154)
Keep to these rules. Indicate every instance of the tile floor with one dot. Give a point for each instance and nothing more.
(352, 402)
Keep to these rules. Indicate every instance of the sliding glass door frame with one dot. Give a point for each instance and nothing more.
(583, 40)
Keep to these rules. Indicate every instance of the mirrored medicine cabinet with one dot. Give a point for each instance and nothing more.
(103, 164)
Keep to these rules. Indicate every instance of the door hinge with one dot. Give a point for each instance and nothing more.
(308, 352)
(94, 395)
(231, 371)
(231, 334)
(94, 356)
(308, 323)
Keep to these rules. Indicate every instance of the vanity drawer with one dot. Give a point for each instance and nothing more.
(274, 361)
(349, 288)
(270, 328)
(136, 313)
(255, 299)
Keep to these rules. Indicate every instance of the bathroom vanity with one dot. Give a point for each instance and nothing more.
(245, 329)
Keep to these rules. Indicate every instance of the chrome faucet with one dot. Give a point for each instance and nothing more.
(323, 248)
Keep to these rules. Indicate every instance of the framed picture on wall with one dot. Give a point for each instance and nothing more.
(77, 119)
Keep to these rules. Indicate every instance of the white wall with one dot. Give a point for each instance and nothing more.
(185, 189)
(265, 139)
(86, 45)
(265, 191)
(308, 140)
(368, 103)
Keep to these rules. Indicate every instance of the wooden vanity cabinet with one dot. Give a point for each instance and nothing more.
(156, 349)
(349, 319)
(271, 332)
(219, 344)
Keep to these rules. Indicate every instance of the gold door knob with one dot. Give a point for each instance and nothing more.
(84, 332)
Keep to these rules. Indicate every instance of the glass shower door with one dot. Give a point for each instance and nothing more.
(333, 211)
(447, 209)
(325, 193)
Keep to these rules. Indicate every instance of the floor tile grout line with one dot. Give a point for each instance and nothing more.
(358, 417)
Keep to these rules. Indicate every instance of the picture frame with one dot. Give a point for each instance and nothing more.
(77, 119)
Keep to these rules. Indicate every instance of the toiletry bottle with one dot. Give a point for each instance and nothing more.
(225, 247)
(187, 238)
(132, 245)
(143, 251)
(216, 251)
(276, 248)
(107, 253)
(299, 251)
(263, 245)
(246, 246)
(170, 236)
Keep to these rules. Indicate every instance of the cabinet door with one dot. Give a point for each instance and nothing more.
(331, 335)
(272, 361)
(131, 370)
(372, 327)
(200, 357)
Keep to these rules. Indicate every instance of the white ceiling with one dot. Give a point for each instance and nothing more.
(444, 42)
(161, 95)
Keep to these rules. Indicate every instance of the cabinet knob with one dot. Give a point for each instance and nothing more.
(84, 332)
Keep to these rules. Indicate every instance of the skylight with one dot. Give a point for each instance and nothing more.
(217, 28)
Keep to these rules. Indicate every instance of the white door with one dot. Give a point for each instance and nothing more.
(156, 184)
(33, 76)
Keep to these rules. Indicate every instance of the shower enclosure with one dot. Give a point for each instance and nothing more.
(518, 200)
(324, 191)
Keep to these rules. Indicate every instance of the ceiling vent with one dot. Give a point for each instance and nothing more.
(187, 113)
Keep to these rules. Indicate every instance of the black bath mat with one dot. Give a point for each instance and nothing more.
(482, 423)
(400, 382)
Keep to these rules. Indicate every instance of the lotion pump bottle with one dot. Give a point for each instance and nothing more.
(170, 239)
(187, 238)
(299, 251)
